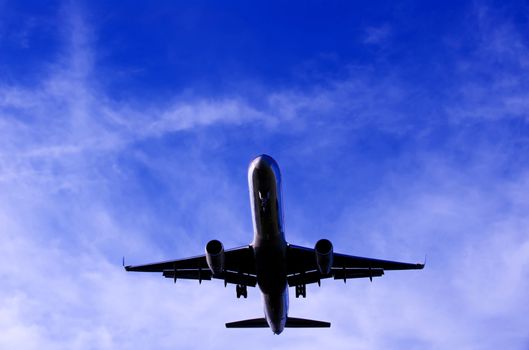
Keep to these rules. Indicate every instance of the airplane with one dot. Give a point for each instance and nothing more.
(269, 261)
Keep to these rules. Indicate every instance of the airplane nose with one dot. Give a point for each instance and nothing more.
(264, 167)
(264, 161)
(265, 164)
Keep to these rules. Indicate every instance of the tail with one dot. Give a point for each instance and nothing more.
(251, 323)
(292, 322)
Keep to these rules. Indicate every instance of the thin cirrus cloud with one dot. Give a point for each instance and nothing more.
(491, 84)
(86, 178)
(377, 35)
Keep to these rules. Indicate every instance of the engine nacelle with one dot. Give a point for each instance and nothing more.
(215, 256)
(324, 256)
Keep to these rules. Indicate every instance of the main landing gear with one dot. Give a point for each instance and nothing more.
(301, 290)
(241, 291)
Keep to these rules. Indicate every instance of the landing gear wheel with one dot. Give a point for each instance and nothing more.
(241, 291)
(301, 290)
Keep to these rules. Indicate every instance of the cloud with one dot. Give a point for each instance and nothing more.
(491, 84)
(377, 35)
(85, 178)
(471, 233)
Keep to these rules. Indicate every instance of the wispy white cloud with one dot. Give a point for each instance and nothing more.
(377, 35)
(477, 257)
(60, 178)
(493, 84)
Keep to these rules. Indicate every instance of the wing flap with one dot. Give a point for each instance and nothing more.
(343, 274)
(189, 274)
(201, 275)
(305, 278)
(336, 273)
(238, 278)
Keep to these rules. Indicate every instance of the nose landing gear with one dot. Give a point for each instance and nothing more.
(241, 291)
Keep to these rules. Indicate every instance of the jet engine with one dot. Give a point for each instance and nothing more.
(215, 256)
(324, 256)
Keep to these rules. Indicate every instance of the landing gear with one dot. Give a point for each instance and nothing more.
(241, 291)
(301, 290)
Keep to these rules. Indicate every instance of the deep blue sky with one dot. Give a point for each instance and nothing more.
(207, 47)
(126, 129)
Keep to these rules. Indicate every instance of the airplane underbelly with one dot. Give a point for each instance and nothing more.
(276, 309)
(270, 268)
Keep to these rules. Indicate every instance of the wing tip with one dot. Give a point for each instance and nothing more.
(128, 267)
(421, 266)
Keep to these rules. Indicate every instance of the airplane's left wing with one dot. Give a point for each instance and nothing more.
(302, 267)
(239, 267)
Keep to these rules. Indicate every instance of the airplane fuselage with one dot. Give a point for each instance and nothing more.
(270, 247)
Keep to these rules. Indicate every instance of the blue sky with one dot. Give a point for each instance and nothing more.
(127, 128)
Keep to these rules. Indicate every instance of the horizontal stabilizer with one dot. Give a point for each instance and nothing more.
(294, 322)
(251, 323)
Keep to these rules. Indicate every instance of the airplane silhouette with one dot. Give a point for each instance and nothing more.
(269, 261)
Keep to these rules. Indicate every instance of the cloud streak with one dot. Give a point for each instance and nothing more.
(85, 178)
